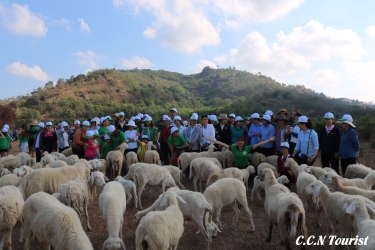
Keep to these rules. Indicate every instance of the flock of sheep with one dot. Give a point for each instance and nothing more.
(49, 198)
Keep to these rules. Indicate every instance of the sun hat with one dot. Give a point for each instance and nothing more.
(194, 117)
(284, 144)
(214, 118)
(137, 118)
(165, 117)
(108, 118)
(145, 137)
(266, 117)
(77, 122)
(34, 122)
(177, 117)
(131, 124)
(303, 119)
(280, 117)
(328, 115)
(148, 118)
(121, 114)
(132, 118)
(107, 137)
(111, 128)
(86, 123)
(223, 117)
(348, 119)
(174, 129)
(41, 124)
(89, 134)
(173, 109)
(4, 130)
(232, 115)
(268, 112)
(283, 111)
(115, 114)
(185, 123)
(102, 119)
(255, 116)
(64, 124)
(96, 132)
(48, 123)
(6, 126)
(238, 118)
(140, 115)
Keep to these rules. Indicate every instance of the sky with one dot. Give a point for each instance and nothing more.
(327, 46)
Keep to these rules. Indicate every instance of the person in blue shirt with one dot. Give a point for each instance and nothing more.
(349, 143)
(255, 130)
(307, 146)
(268, 130)
(238, 129)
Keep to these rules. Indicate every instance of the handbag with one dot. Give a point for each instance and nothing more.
(304, 157)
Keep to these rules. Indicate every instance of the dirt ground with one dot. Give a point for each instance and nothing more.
(239, 237)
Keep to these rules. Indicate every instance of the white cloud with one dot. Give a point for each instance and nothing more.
(370, 31)
(136, 62)
(203, 63)
(316, 42)
(255, 54)
(35, 72)
(220, 58)
(326, 78)
(84, 27)
(88, 58)
(63, 23)
(22, 21)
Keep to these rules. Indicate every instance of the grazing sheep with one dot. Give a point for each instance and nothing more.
(317, 171)
(131, 158)
(225, 173)
(184, 160)
(10, 180)
(284, 210)
(59, 156)
(176, 174)
(58, 164)
(272, 160)
(256, 159)
(258, 185)
(365, 224)
(49, 179)
(112, 204)
(152, 175)
(366, 183)
(129, 187)
(151, 156)
(202, 171)
(115, 160)
(267, 165)
(132, 168)
(5, 171)
(10, 162)
(228, 191)
(25, 158)
(357, 171)
(70, 160)
(11, 204)
(246, 173)
(67, 152)
(228, 158)
(77, 193)
(53, 224)
(161, 230)
(337, 185)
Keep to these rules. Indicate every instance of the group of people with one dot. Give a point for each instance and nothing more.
(171, 136)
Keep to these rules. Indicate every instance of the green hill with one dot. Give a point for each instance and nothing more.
(107, 91)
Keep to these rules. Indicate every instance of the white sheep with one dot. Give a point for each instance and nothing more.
(67, 152)
(246, 174)
(131, 158)
(304, 178)
(185, 159)
(161, 229)
(272, 159)
(53, 224)
(365, 225)
(228, 158)
(112, 204)
(224, 192)
(259, 185)
(25, 158)
(70, 160)
(152, 175)
(24, 170)
(59, 156)
(132, 168)
(284, 210)
(225, 173)
(5, 171)
(267, 165)
(115, 160)
(17, 170)
(10, 180)
(98, 165)
(10, 162)
(77, 193)
(317, 171)
(202, 172)
(256, 159)
(39, 165)
(151, 156)
(292, 164)
(366, 183)
(176, 174)
(129, 187)
(58, 164)
(11, 204)
(49, 179)
(357, 171)
(47, 158)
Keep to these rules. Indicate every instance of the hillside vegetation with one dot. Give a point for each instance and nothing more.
(106, 91)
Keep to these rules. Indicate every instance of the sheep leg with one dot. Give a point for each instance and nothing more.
(319, 210)
(5, 234)
(87, 219)
(269, 238)
(46, 246)
(217, 218)
(9, 238)
(243, 203)
(195, 183)
(140, 190)
(236, 214)
(200, 185)
(128, 194)
(247, 185)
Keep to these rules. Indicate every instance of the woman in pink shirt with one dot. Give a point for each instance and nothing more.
(90, 146)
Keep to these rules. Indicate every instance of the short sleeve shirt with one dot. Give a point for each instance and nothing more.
(178, 142)
(4, 142)
(241, 159)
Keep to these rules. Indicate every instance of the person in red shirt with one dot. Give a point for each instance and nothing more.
(90, 147)
(281, 169)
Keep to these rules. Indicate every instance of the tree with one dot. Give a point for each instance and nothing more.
(8, 114)
(48, 85)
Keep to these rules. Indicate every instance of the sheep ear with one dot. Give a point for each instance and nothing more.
(105, 178)
(122, 245)
(163, 201)
(370, 208)
(351, 208)
(180, 198)
(317, 191)
(92, 179)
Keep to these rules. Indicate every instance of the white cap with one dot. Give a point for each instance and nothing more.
(185, 123)
(77, 122)
(137, 118)
(268, 112)
(121, 114)
(41, 124)
(303, 119)
(213, 118)
(111, 128)
(266, 117)
(194, 117)
(232, 115)
(148, 118)
(140, 115)
(131, 123)
(107, 137)
(173, 109)
(48, 123)
(174, 129)
(165, 117)
(255, 116)
(238, 118)
(4, 130)
(145, 137)
(177, 117)
(6, 126)
(64, 124)
(86, 123)
(96, 132)
(347, 117)
(90, 133)
(132, 118)
(284, 144)
(328, 115)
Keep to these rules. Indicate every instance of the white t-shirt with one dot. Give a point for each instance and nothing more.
(208, 132)
(131, 134)
(295, 129)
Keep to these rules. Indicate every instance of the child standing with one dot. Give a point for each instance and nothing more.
(90, 147)
(105, 146)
